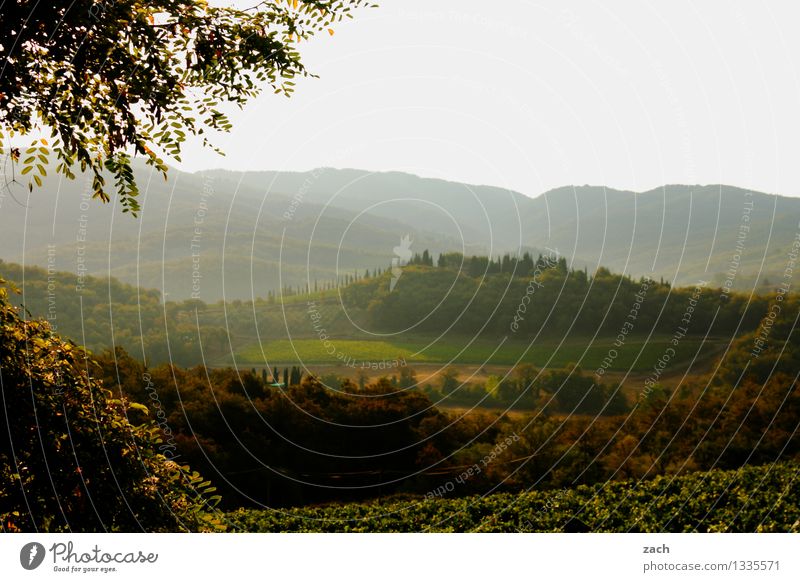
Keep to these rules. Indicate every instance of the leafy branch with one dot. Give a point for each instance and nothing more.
(118, 79)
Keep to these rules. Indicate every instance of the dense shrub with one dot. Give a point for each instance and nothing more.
(70, 460)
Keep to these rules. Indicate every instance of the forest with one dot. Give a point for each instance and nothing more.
(226, 438)
(448, 300)
(307, 443)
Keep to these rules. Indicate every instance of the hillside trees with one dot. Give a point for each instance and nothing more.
(484, 295)
(283, 445)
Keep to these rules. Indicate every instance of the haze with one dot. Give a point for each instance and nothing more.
(531, 96)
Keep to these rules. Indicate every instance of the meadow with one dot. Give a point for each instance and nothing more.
(637, 354)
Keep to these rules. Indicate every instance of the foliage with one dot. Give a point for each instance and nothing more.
(70, 459)
(528, 299)
(310, 443)
(307, 443)
(104, 313)
(126, 77)
(753, 499)
(555, 390)
(191, 332)
(282, 445)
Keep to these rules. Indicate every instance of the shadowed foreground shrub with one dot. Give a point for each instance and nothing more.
(69, 458)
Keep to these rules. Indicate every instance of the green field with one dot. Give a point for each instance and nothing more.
(481, 351)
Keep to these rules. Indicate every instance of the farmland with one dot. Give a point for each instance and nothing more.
(636, 354)
(752, 499)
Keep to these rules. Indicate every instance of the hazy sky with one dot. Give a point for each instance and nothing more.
(535, 95)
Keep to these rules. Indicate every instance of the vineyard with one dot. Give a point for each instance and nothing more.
(752, 499)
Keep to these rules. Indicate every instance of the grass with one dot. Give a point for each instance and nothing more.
(314, 351)
(481, 351)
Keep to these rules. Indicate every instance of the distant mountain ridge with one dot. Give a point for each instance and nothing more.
(222, 234)
(683, 233)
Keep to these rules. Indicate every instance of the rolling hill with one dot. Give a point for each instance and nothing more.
(221, 234)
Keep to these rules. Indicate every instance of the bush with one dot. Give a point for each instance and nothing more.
(70, 460)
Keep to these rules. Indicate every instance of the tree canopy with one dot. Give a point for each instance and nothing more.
(113, 79)
(70, 459)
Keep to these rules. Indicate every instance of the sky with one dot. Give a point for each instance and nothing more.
(535, 95)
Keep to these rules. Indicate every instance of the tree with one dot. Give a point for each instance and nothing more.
(296, 376)
(116, 79)
(362, 378)
(70, 460)
(426, 258)
(448, 380)
(408, 377)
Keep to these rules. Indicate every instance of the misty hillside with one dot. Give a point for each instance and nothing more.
(484, 216)
(239, 235)
(683, 233)
(241, 242)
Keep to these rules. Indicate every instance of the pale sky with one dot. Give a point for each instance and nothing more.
(536, 95)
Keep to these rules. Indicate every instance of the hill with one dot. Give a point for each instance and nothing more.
(203, 236)
(220, 234)
(306, 441)
(433, 314)
(682, 233)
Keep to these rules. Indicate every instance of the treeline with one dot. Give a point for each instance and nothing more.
(280, 446)
(473, 266)
(517, 297)
(528, 296)
(105, 313)
(553, 391)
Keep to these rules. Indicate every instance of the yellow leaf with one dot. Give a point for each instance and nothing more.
(139, 407)
(330, 31)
